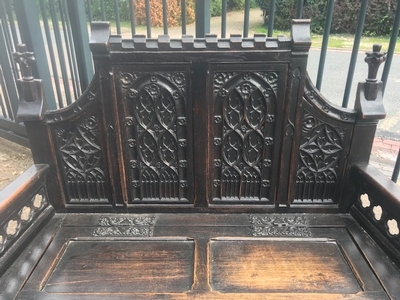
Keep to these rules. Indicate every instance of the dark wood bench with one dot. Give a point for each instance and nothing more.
(200, 168)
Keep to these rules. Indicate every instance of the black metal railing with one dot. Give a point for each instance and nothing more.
(57, 31)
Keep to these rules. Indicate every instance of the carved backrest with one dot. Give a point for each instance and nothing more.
(209, 125)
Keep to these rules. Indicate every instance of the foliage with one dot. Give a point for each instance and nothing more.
(232, 5)
(156, 11)
(379, 17)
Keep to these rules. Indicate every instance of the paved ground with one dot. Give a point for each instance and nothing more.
(15, 159)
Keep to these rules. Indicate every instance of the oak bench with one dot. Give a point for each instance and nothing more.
(200, 168)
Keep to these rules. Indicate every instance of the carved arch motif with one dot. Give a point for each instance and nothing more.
(244, 122)
(156, 135)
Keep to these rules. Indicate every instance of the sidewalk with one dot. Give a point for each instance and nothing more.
(384, 155)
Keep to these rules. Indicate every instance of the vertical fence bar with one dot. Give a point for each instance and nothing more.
(102, 10)
(132, 16)
(392, 45)
(223, 18)
(11, 22)
(8, 39)
(74, 50)
(68, 49)
(202, 18)
(271, 17)
(299, 9)
(324, 48)
(354, 53)
(9, 104)
(77, 18)
(3, 94)
(395, 174)
(60, 51)
(183, 16)
(31, 34)
(51, 51)
(246, 18)
(89, 9)
(148, 18)
(165, 16)
(117, 16)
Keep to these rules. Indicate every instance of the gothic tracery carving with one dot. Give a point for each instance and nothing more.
(82, 161)
(157, 121)
(320, 151)
(244, 122)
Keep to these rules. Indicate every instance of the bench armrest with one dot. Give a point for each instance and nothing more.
(23, 210)
(377, 207)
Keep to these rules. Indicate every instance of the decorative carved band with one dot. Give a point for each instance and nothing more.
(19, 221)
(280, 226)
(125, 226)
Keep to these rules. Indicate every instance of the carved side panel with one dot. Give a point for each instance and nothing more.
(244, 127)
(156, 135)
(82, 161)
(321, 149)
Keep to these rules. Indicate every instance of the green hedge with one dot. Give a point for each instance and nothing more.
(379, 19)
(232, 5)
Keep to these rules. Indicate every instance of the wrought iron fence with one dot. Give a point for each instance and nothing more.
(57, 31)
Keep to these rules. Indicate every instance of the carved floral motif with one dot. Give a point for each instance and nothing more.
(123, 231)
(126, 221)
(125, 226)
(293, 226)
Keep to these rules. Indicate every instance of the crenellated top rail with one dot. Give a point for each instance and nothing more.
(101, 41)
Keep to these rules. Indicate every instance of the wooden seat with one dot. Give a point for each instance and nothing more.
(202, 169)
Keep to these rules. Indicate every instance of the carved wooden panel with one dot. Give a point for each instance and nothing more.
(155, 124)
(82, 161)
(125, 226)
(321, 147)
(245, 107)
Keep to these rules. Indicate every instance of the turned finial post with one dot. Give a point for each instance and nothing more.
(374, 59)
(25, 60)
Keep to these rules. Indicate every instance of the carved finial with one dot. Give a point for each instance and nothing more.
(374, 59)
(25, 60)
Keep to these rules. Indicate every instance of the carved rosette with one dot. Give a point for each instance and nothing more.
(82, 162)
(320, 151)
(244, 120)
(156, 129)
